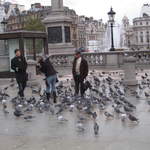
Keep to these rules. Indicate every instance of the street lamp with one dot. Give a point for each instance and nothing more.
(111, 15)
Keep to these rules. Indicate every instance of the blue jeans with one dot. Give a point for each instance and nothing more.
(51, 82)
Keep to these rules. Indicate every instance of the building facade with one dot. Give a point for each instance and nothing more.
(141, 30)
(137, 36)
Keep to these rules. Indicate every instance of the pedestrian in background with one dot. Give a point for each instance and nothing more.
(80, 72)
(19, 65)
(46, 67)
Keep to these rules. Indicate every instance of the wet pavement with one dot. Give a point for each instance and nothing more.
(44, 132)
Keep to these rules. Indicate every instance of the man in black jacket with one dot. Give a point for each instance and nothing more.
(80, 72)
(46, 67)
(19, 65)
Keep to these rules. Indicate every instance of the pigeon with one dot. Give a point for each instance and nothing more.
(127, 109)
(146, 95)
(148, 103)
(12, 84)
(133, 118)
(5, 109)
(96, 128)
(101, 107)
(94, 115)
(29, 108)
(123, 117)
(108, 115)
(18, 113)
(80, 126)
(4, 102)
(61, 119)
(71, 108)
(29, 117)
(117, 110)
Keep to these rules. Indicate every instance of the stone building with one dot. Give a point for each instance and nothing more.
(141, 30)
(137, 36)
(17, 22)
(126, 33)
(86, 32)
(8, 9)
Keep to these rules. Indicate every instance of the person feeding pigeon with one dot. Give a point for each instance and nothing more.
(19, 65)
(80, 72)
(46, 67)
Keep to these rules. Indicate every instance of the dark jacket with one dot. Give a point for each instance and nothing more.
(83, 68)
(47, 68)
(19, 65)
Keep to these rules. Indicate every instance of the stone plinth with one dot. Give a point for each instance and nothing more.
(130, 71)
(59, 29)
(32, 73)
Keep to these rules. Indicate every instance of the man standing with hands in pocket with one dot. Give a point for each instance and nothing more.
(80, 72)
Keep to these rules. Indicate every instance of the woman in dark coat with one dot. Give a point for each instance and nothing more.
(80, 72)
(46, 67)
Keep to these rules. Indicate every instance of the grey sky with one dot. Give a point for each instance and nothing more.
(98, 8)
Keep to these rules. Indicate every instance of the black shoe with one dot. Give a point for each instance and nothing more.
(48, 96)
(21, 94)
(54, 97)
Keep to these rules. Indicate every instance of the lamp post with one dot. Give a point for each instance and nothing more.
(111, 15)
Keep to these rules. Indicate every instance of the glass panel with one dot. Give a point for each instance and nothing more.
(28, 47)
(55, 34)
(39, 46)
(4, 47)
(12, 45)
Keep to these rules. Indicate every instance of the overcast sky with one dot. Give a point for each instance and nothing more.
(98, 8)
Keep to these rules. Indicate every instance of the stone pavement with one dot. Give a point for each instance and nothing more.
(45, 133)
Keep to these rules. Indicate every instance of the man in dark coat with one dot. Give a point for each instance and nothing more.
(80, 72)
(46, 67)
(19, 65)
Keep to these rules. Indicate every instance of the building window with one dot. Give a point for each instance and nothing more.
(147, 23)
(141, 23)
(55, 34)
(141, 37)
(137, 40)
(67, 35)
(147, 37)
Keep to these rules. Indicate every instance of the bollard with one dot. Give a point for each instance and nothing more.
(130, 71)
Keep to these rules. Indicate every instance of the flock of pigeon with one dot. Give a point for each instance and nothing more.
(101, 91)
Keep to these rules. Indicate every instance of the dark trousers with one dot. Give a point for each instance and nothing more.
(22, 82)
(79, 85)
